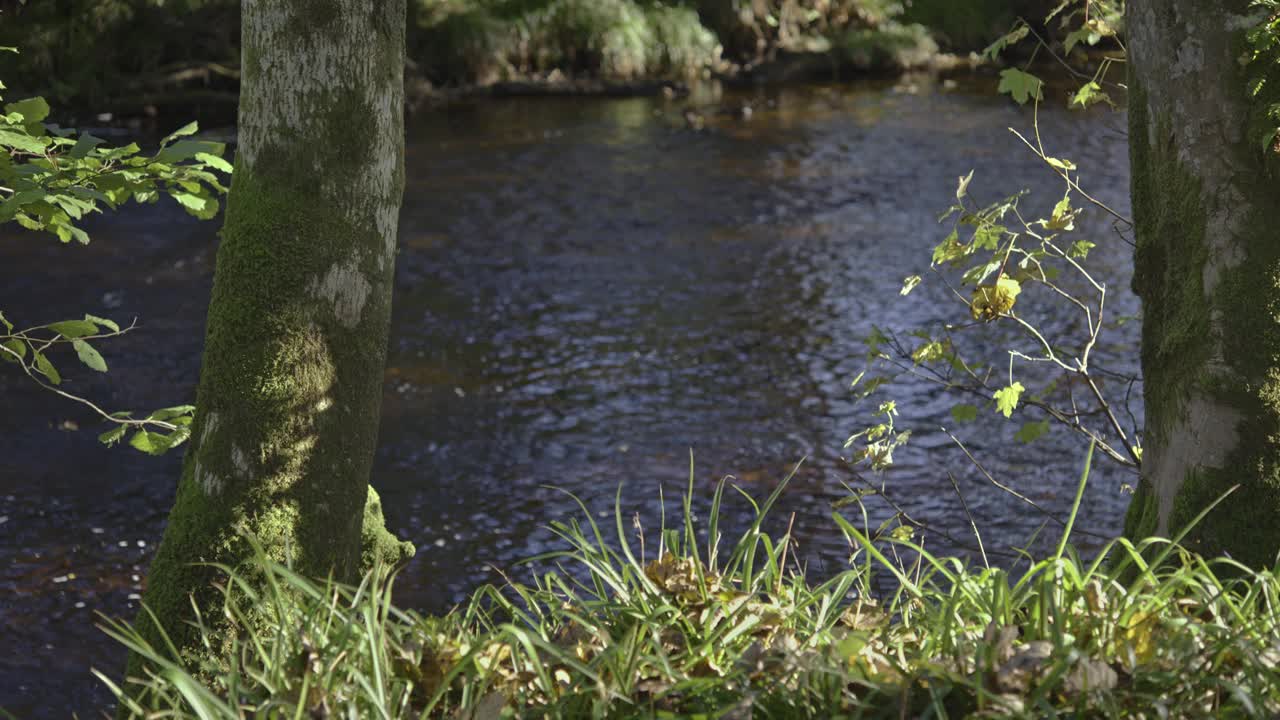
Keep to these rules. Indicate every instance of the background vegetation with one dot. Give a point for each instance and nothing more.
(137, 56)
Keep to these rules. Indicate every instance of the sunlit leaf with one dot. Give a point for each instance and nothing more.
(991, 300)
(1090, 94)
(149, 442)
(1007, 398)
(170, 413)
(114, 435)
(104, 322)
(188, 129)
(932, 351)
(1080, 248)
(950, 249)
(909, 284)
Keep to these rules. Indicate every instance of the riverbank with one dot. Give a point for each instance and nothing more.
(140, 58)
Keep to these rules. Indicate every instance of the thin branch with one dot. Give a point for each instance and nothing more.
(1015, 493)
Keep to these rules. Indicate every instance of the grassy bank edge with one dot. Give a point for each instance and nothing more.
(699, 628)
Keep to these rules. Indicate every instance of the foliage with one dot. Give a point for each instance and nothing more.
(1262, 63)
(963, 26)
(1013, 272)
(120, 52)
(703, 630)
(488, 40)
(51, 180)
(753, 29)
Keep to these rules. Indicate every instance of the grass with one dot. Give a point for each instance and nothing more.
(714, 630)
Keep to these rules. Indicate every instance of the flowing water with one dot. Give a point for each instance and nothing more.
(588, 294)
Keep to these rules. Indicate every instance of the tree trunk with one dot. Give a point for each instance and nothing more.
(291, 386)
(1206, 205)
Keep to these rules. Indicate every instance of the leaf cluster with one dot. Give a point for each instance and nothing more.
(1262, 63)
(51, 180)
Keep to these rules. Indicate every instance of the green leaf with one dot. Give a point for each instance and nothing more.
(950, 249)
(194, 203)
(1080, 249)
(113, 436)
(987, 236)
(84, 145)
(1007, 398)
(18, 348)
(909, 284)
(214, 162)
(104, 322)
(21, 142)
(71, 329)
(1083, 34)
(964, 413)
(1014, 36)
(149, 442)
(931, 351)
(1032, 431)
(979, 274)
(89, 356)
(46, 368)
(1090, 94)
(1021, 86)
(188, 129)
(32, 110)
(172, 412)
(962, 188)
(1064, 217)
(184, 150)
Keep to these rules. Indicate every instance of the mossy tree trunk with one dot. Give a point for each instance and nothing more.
(291, 385)
(1206, 204)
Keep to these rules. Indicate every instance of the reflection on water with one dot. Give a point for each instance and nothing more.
(587, 294)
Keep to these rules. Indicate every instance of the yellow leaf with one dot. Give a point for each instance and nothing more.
(991, 300)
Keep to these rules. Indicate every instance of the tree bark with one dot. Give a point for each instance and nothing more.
(1206, 204)
(291, 385)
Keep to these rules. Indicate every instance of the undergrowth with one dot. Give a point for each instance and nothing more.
(733, 630)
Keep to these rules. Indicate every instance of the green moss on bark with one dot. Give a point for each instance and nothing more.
(1224, 342)
(1168, 267)
(1246, 524)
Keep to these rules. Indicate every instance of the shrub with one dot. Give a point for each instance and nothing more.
(618, 39)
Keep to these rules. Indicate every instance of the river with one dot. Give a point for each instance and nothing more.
(588, 293)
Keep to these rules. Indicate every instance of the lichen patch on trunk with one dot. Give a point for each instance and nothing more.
(345, 288)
